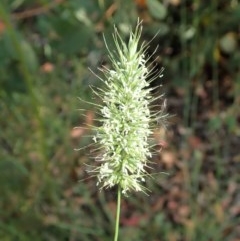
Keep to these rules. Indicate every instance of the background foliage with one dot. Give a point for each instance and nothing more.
(46, 49)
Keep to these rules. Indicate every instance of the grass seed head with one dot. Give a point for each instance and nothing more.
(125, 117)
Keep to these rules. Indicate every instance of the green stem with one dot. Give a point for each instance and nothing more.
(118, 213)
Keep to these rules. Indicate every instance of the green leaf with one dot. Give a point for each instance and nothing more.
(30, 57)
(157, 9)
(74, 37)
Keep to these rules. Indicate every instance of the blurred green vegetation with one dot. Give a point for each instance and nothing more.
(46, 49)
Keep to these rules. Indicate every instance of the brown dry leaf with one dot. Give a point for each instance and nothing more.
(168, 159)
(175, 3)
(235, 210)
(2, 27)
(194, 142)
(132, 221)
(172, 205)
(232, 187)
(212, 181)
(158, 205)
(47, 67)
(178, 178)
(184, 211)
(111, 10)
(180, 91)
(175, 192)
(226, 202)
(201, 92)
(162, 144)
(141, 3)
(77, 132)
(68, 193)
(79, 201)
(89, 118)
(159, 136)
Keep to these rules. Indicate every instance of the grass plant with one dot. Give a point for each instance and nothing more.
(46, 49)
(126, 122)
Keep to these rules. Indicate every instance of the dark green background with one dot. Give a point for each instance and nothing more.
(46, 48)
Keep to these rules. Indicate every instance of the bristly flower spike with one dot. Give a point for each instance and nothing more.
(125, 117)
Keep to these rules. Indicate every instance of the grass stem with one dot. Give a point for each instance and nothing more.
(118, 213)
